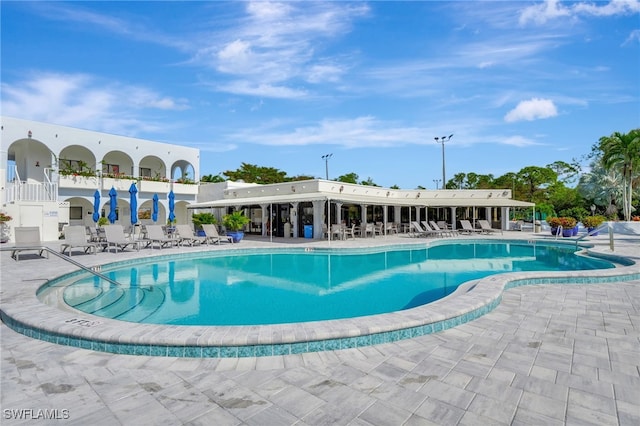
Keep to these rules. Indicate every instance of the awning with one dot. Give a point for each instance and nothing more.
(363, 200)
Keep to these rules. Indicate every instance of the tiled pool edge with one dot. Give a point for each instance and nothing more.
(485, 296)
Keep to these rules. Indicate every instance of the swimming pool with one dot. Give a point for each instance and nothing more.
(257, 287)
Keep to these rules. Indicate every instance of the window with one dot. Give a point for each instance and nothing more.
(144, 172)
(111, 169)
(75, 213)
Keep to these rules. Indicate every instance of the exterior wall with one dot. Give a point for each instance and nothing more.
(41, 153)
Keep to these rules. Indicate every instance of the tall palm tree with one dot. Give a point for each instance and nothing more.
(622, 152)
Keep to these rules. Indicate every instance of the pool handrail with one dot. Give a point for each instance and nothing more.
(64, 257)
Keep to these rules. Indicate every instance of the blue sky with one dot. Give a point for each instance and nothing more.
(518, 84)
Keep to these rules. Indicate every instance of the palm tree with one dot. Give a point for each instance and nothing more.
(622, 152)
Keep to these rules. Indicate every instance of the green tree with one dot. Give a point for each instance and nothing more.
(368, 182)
(622, 152)
(348, 178)
(485, 182)
(602, 187)
(251, 173)
(534, 179)
(458, 179)
(212, 178)
(567, 173)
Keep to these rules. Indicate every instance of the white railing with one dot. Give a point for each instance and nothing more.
(23, 191)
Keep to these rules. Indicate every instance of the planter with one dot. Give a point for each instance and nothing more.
(236, 236)
(591, 229)
(554, 231)
(567, 232)
(574, 231)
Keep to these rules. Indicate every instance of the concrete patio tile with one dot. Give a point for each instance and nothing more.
(385, 414)
(440, 412)
(542, 387)
(549, 407)
(526, 417)
(628, 413)
(273, 416)
(492, 388)
(398, 396)
(526, 342)
(587, 385)
(448, 394)
(502, 410)
(296, 401)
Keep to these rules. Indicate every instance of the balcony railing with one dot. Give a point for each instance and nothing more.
(23, 191)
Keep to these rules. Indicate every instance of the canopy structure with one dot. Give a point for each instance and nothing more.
(382, 196)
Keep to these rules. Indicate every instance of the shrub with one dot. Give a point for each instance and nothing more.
(200, 219)
(553, 222)
(568, 222)
(235, 221)
(593, 221)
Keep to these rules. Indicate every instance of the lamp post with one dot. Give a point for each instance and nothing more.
(436, 181)
(593, 209)
(326, 164)
(442, 140)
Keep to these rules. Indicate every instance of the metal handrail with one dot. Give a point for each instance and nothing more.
(590, 233)
(558, 231)
(63, 257)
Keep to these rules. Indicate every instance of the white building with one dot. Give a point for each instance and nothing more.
(50, 174)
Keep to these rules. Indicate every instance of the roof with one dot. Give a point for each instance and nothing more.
(363, 199)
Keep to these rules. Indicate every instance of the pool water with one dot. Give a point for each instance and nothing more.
(259, 287)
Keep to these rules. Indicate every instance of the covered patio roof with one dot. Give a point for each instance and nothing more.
(406, 201)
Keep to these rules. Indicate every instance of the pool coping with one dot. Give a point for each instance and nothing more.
(38, 320)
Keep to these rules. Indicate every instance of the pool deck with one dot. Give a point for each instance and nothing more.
(547, 354)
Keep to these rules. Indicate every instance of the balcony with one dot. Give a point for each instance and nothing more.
(120, 184)
(82, 182)
(154, 186)
(185, 188)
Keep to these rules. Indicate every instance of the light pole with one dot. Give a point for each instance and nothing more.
(436, 181)
(326, 164)
(442, 140)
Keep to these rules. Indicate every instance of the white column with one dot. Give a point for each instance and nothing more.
(265, 217)
(294, 219)
(453, 218)
(318, 219)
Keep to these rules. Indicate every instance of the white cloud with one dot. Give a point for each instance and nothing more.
(80, 100)
(278, 43)
(553, 9)
(532, 109)
(518, 141)
(349, 133)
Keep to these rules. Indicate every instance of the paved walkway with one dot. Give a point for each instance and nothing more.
(548, 354)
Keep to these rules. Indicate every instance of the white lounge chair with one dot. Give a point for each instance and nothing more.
(486, 227)
(416, 230)
(444, 231)
(76, 236)
(467, 228)
(185, 235)
(212, 235)
(434, 232)
(27, 239)
(155, 235)
(115, 237)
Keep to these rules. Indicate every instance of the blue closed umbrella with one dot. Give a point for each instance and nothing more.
(113, 205)
(154, 211)
(134, 203)
(172, 205)
(96, 206)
